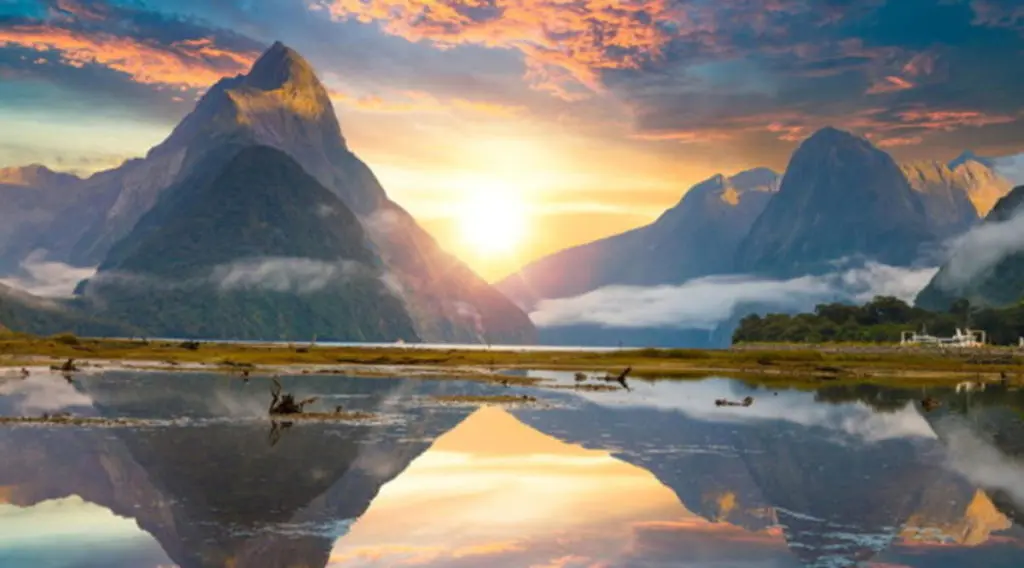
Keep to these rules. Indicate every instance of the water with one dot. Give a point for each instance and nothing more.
(414, 346)
(656, 477)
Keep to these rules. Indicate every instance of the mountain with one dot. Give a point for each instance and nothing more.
(250, 246)
(943, 189)
(23, 312)
(696, 237)
(840, 197)
(222, 492)
(280, 103)
(35, 176)
(1009, 168)
(30, 198)
(983, 185)
(987, 266)
(970, 156)
(945, 196)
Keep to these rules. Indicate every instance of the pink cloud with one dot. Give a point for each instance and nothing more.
(564, 42)
(899, 141)
(889, 84)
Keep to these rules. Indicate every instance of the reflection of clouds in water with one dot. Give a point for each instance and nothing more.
(72, 532)
(42, 392)
(980, 461)
(696, 400)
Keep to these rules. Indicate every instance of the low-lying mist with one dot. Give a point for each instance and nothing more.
(706, 302)
(979, 250)
(47, 278)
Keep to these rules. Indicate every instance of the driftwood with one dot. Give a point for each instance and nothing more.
(286, 403)
(621, 378)
(929, 404)
(68, 367)
(725, 402)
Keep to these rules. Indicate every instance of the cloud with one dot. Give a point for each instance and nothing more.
(48, 279)
(980, 461)
(1011, 168)
(282, 274)
(899, 141)
(186, 63)
(979, 251)
(42, 392)
(998, 13)
(703, 303)
(854, 419)
(565, 44)
(890, 84)
(82, 10)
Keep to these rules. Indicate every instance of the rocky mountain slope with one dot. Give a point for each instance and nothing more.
(280, 103)
(840, 197)
(23, 312)
(250, 246)
(944, 194)
(696, 237)
(987, 266)
(30, 198)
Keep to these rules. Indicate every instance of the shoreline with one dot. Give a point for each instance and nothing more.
(764, 363)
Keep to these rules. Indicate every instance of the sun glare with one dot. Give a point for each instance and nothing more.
(493, 222)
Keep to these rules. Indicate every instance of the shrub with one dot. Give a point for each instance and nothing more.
(66, 339)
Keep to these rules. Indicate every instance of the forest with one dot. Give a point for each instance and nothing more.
(880, 321)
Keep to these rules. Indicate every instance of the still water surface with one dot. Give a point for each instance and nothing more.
(656, 477)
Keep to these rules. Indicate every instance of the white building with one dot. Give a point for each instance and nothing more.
(962, 338)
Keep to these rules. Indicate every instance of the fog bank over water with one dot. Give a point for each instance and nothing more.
(704, 303)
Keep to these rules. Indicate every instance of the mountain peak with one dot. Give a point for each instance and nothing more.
(969, 156)
(33, 175)
(278, 66)
(840, 197)
(756, 179)
(831, 135)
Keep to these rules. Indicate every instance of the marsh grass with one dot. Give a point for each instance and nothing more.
(766, 362)
(484, 399)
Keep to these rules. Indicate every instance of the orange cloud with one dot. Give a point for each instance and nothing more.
(566, 44)
(193, 63)
(899, 141)
(949, 120)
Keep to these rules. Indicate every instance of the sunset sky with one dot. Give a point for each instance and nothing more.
(596, 114)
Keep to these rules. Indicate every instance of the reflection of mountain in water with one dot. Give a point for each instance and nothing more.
(840, 498)
(983, 433)
(218, 493)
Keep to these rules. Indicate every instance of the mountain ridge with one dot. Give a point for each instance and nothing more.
(718, 210)
(986, 267)
(251, 248)
(840, 197)
(281, 103)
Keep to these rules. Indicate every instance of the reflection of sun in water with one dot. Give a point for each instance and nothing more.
(492, 222)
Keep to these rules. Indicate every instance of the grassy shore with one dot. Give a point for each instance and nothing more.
(766, 363)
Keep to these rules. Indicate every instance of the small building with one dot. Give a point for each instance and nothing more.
(962, 338)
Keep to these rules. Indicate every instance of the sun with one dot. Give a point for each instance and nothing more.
(492, 222)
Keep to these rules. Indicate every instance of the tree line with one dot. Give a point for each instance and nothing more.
(879, 321)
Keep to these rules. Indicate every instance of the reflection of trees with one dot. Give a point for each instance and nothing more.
(879, 398)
